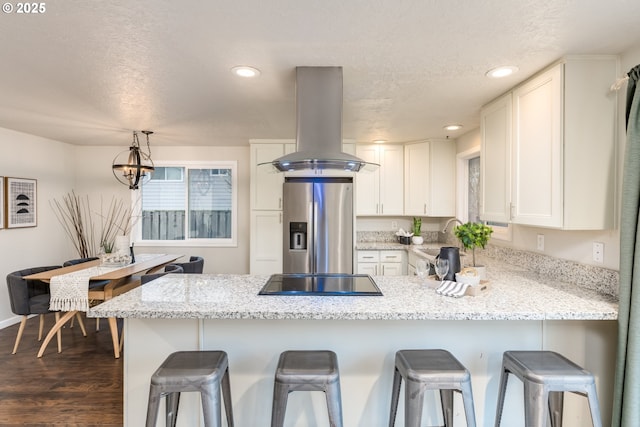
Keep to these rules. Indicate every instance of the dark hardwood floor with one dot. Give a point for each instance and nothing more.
(82, 386)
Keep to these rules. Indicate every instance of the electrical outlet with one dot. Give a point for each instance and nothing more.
(540, 242)
(394, 225)
(598, 252)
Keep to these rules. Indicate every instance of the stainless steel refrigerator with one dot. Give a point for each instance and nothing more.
(318, 225)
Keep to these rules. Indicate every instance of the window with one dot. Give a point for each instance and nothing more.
(163, 173)
(469, 194)
(189, 204)
(473, 189)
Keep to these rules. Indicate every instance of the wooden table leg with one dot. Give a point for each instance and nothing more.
(113, 326)
(55, 330)
(59, 332)
(81, 323)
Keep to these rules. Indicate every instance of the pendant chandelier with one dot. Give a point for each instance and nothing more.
(134, 166)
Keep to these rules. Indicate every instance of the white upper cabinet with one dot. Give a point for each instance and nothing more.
(380, 192)
(266, 185)
(429, 176)
(562, 148)
(537, 151)
(495, 159)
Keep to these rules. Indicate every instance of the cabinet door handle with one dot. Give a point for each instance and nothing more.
(383, 270)
(425, 208)
(367, 257)
(279, 202)
(280, 217)
(381, 208)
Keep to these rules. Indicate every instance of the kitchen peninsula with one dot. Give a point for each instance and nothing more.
(225, 312)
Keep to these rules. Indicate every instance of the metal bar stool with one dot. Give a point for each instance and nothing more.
(546, 376)
(430, 370)
(202, 371)
(307, 371)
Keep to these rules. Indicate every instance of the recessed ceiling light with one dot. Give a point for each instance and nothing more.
(453, 127)
(379, 141)
(499, 72)
(245, 71)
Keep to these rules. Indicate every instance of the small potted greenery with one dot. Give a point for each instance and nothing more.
(417, 229)
(473, 235)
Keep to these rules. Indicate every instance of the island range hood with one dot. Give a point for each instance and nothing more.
(319, 124)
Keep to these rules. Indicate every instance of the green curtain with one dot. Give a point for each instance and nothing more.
(626, 397)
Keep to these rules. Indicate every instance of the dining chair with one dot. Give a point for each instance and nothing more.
(29, 297)
(194, 266)
(169, 268)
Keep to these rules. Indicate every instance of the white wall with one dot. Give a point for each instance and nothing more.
(52, 163)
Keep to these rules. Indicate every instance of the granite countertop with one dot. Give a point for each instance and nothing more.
(515, 294)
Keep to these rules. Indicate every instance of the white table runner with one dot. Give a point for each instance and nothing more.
(71, 291)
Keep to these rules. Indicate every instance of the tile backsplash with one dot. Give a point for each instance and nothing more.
(390, 236)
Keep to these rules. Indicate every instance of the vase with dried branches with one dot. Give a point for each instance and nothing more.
(90, 231)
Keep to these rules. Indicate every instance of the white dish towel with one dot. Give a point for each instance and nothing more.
(450, 288)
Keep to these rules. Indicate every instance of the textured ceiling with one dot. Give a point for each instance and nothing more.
(89, 72)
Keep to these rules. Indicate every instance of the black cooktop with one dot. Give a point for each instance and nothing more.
(320, 284)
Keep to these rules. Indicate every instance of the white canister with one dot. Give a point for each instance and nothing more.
(121, 245)
(417, 240)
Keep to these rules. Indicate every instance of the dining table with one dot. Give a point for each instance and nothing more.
(120, 278)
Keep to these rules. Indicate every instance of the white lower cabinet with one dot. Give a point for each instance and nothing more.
(382, 263)
(266, 242)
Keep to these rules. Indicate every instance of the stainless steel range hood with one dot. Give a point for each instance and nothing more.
(319, 124)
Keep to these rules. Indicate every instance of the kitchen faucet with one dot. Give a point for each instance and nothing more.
(444, 230)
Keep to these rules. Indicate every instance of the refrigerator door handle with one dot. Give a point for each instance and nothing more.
(314, 236)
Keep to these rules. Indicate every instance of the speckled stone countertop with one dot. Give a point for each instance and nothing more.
(515, 294)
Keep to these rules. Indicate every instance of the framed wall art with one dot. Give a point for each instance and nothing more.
(1, 202)
(21, 202)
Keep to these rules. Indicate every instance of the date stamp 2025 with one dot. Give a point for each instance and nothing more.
(24, 8)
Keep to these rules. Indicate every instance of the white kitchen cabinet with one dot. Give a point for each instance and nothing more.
(266, 242)
(495, 160)
(537, 191)
(265, 248)
(266, 185)
(382, 263)
(563, 152)
(429, 178)
(380, 192)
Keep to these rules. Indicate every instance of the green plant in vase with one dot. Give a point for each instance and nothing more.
(417, 230)
(107, 247)
(473, 235)
(417, 226)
